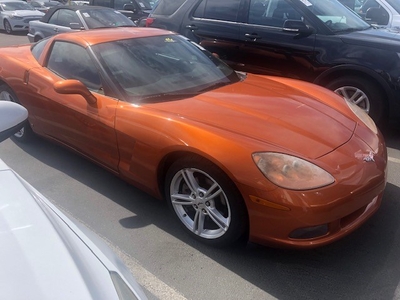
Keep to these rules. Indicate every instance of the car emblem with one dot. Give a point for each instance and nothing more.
(369, 157)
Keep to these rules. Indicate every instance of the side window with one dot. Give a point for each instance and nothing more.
(54, 18)
(37, 48)
(66, 17)
(120, 4)
(71, 61)
(167, 7)
(106, 3)
(225, 10)
(271, 12)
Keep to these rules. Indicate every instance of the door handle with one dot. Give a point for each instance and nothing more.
(252, 36)
(191, 27)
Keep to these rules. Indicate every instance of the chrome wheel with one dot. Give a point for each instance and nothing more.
(206, 202)
(364, 92)
(355, 95)
(200, 203)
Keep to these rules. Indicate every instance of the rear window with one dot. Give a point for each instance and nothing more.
(167, 7)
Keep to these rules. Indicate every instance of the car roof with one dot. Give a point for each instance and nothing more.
(103, 35)
(50, 12)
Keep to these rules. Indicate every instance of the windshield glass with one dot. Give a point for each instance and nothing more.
(395, 4)
(169, 65)
(17, 5)
(335, 15)
(99, 18)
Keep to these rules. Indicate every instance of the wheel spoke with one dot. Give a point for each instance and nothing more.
(191, 182)
(218, 219)
(198, 222)
(213, 191)
(181, 199)
(357, 97)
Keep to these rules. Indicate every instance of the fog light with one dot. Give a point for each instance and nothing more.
(309, 232)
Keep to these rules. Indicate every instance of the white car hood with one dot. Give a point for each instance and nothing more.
(43, 254)
(24, 13)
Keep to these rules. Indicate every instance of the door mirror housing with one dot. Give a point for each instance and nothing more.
(12, 118)
(72, 86)
(377, 15)
(297, 26)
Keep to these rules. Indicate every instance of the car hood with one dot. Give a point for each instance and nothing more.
(24, 13)
(381, 38)
(271, 112)
(44, 255)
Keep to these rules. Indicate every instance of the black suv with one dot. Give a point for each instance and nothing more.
(320, 41)
(133, 9)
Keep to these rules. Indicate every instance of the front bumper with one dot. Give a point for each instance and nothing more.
(308, 219)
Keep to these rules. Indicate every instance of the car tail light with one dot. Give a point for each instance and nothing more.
(149, 21)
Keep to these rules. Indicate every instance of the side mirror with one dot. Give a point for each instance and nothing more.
(129, 7)
(12, 118)
(72, 86)
(75, 26)
(377, 15)
(297, 26)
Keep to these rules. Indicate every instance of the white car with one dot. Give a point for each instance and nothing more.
(43, 253)
(384, 13)
(16, 14)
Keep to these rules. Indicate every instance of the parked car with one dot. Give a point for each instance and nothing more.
(75, 17)
(319, 41)
(230, 152)
(78, 2)
(44, 6)
(44, 254)
(384, 13)
(15, 15)
(133, 9)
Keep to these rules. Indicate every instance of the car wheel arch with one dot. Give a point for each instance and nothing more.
(325, 78)
(170, 158)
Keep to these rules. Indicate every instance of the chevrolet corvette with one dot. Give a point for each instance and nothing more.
(237, 156)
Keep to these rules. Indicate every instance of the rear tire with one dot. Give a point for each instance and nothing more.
(25, 134)
(366, 94)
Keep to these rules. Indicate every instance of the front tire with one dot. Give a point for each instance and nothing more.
(206, 202)
(25, 134)
(7, 27)
(366, 94)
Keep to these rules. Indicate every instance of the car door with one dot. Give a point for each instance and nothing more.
(270, 48)
(69, 118)
(215, 25)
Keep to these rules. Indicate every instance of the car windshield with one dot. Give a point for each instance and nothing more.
(100, 18)
(395, 4)
(17, 5)
(335, 15)
(162, 67)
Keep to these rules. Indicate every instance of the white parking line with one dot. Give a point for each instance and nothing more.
(146, 279)
(395, 160)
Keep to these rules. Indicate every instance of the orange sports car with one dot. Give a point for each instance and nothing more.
(275, 160)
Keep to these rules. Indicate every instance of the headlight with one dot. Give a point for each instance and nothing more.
(16, 17)
(363, 116)
(291, 172)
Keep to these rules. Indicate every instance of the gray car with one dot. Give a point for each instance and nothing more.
(76, 17)
(43, 253)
